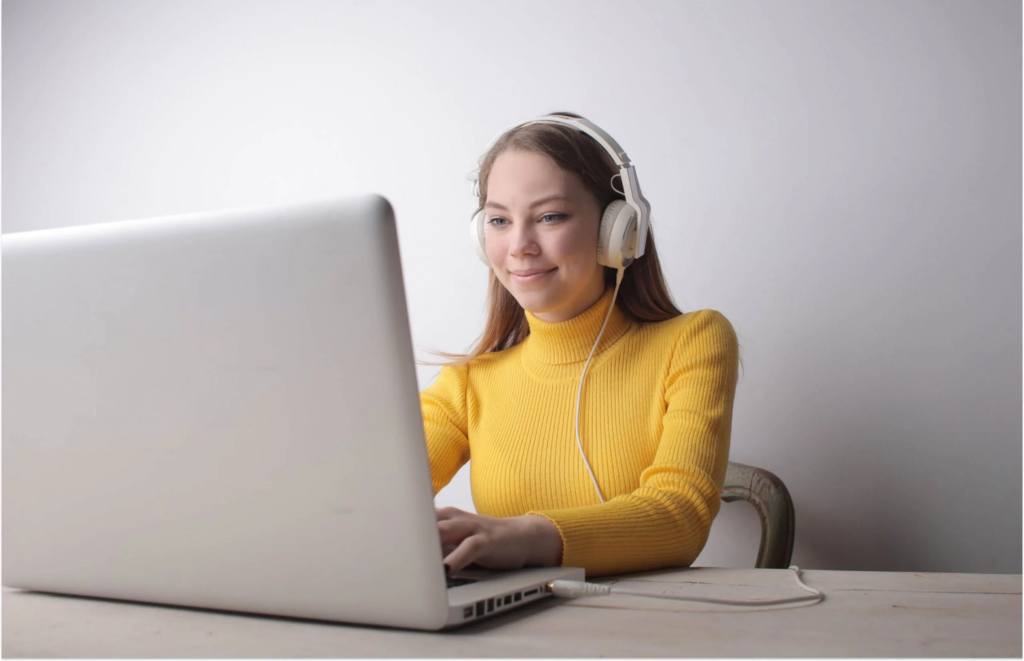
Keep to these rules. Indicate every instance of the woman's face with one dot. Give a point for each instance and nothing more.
(542, 227)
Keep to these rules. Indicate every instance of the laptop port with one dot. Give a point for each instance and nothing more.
(467, 612)
(508, 599)
(490, 605)
(479, 608)
(518, 596)
(530, 592)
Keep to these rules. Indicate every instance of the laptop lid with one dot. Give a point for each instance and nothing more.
(219, 410)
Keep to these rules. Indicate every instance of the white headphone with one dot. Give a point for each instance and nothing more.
(621, 238)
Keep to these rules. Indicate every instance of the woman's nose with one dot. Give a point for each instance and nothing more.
(523, 240)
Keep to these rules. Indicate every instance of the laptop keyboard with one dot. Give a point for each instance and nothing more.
(455, 582)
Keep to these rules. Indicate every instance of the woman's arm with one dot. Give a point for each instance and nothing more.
(667, 519)
(445, 424)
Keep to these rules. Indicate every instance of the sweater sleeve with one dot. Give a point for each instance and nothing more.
(445, 424)
(665, 522)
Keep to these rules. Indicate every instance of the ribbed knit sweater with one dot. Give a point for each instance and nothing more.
(655, 423)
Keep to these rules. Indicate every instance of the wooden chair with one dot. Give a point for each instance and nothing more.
(769, 496)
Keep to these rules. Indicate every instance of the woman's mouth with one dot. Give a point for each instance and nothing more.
(531, 278)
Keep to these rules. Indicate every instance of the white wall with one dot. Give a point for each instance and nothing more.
(841, 179)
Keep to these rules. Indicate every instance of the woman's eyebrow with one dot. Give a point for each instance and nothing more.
(536, 203)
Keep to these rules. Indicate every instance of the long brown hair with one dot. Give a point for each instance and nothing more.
(643, 295)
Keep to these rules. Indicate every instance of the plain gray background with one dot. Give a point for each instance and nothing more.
(841, 179)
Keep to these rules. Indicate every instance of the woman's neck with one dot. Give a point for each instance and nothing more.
(571, 341)
(593, 293)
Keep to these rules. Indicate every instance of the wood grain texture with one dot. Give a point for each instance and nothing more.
(864, 614)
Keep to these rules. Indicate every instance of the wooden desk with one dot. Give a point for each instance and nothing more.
(864, 614)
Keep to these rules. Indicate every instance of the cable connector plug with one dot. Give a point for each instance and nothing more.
(572, 589)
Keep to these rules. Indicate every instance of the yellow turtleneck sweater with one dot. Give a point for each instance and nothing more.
(655, 421)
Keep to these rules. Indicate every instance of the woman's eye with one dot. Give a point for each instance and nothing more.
(554, 218)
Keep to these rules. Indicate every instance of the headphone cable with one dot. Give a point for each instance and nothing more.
(579, 392)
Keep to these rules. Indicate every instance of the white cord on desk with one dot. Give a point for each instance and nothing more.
(581, 589)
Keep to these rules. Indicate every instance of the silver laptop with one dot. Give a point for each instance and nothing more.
(221, 411)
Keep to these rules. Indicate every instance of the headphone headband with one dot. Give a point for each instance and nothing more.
(630, 184)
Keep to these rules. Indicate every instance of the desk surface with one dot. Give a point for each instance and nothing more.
(864, 614)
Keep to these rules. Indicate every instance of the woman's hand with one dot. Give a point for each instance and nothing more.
(497, 543)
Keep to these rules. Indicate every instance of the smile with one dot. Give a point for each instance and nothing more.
(531, 278)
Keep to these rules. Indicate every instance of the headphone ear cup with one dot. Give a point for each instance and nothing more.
(478, 234)
(614, 247)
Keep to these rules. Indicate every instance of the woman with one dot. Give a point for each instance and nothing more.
(640, 485)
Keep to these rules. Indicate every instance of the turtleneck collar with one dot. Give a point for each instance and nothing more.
(570, 341)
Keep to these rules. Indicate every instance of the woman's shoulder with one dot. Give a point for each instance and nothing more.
(689, 323)
(485, 362)
(497, 360)
(700, 332)
(695, 335)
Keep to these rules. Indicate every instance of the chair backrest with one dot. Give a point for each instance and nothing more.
(769, 496)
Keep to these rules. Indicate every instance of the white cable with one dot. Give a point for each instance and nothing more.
(571, 589)
(579, 392)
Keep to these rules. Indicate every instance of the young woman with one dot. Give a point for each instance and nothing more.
(640, 484)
